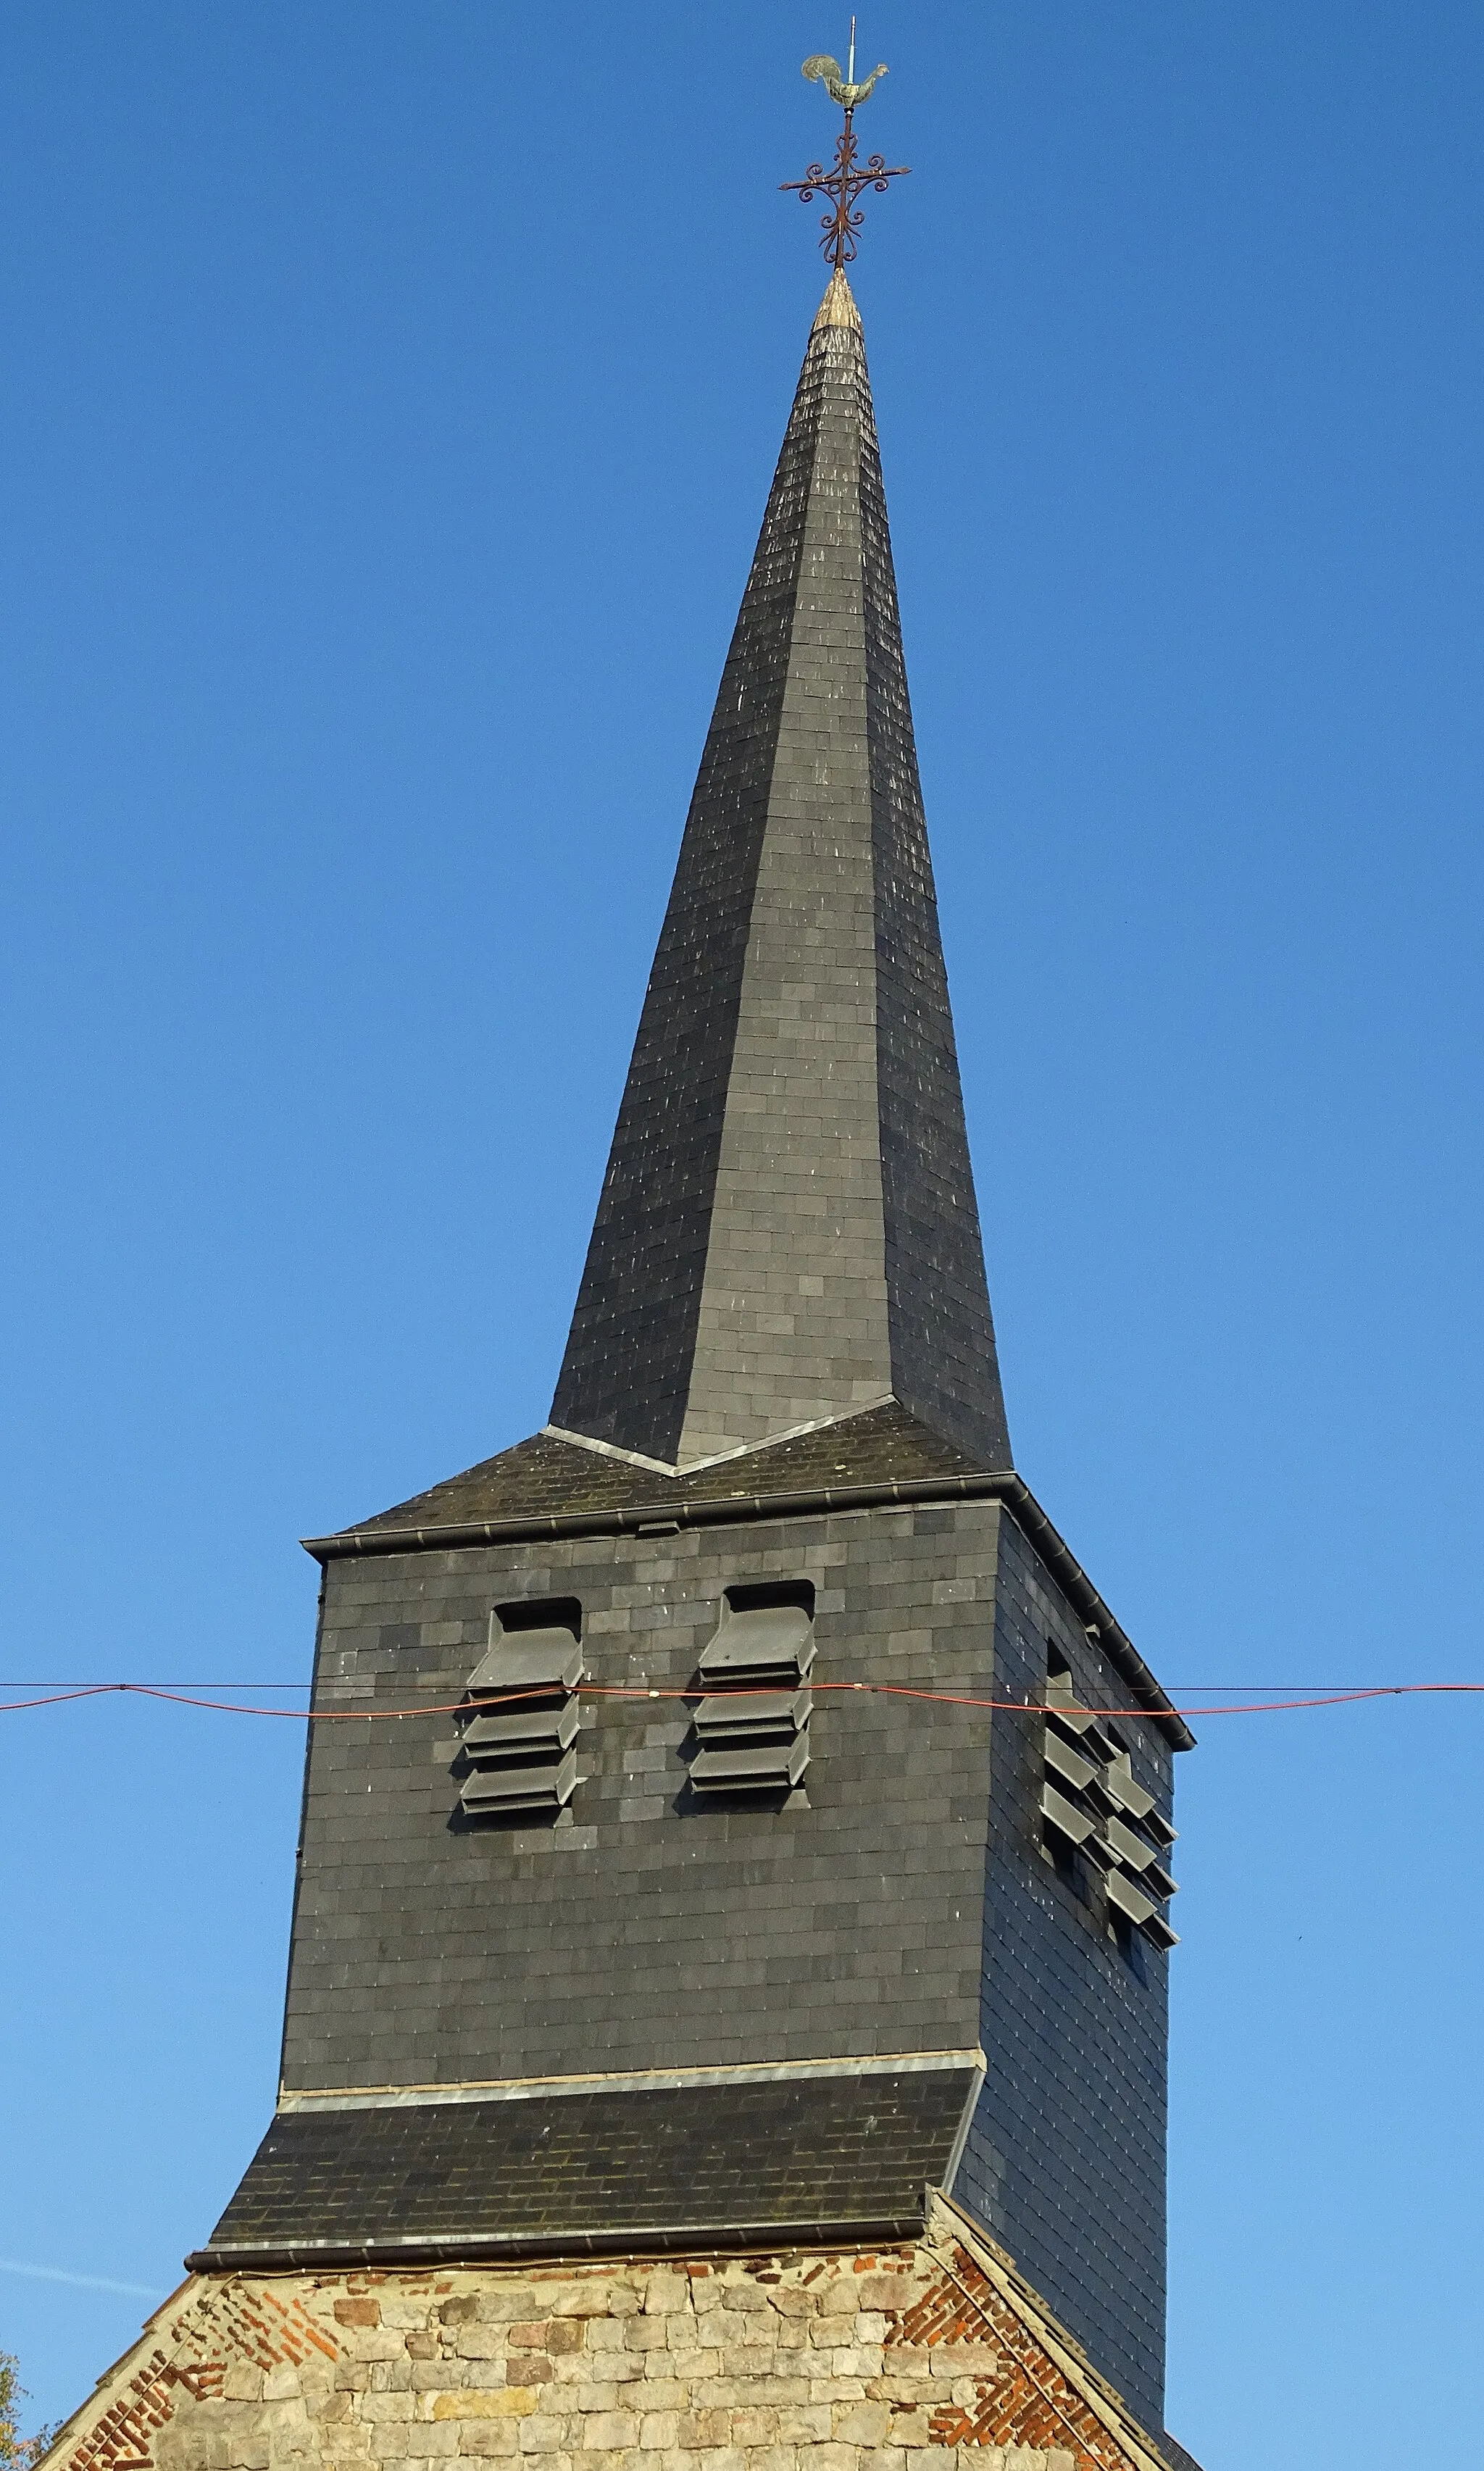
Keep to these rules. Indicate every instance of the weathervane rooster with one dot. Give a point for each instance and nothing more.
(847, 176)
(825, 70)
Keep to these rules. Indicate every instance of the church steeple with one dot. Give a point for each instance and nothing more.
(731, 1881)
(787, 1228)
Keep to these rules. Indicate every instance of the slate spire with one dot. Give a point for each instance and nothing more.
(787, 1229)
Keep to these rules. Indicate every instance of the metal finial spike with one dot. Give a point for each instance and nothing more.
(847, 176)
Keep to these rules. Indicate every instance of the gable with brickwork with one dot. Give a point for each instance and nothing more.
(933, 2356)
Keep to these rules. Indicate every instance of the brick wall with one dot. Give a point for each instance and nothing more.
(922, 2359)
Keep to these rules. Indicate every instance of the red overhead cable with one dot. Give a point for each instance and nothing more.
(613, 1690)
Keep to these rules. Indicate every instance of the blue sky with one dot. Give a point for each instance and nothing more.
(390, 406)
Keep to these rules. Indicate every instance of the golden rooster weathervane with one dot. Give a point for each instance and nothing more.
(847, 176)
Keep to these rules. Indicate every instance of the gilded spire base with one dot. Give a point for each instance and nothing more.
(838, 308)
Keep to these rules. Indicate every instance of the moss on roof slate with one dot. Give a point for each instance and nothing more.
(549, 1477)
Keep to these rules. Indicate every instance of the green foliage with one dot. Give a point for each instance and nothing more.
(17, 2452)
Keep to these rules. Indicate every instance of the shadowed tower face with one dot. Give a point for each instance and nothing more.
(787, 1229)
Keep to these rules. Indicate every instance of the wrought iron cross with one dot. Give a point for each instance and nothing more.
(847, 177)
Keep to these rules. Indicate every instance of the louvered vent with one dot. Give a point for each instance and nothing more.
(1090, 1804)
(753, 1722)
(521, 1723)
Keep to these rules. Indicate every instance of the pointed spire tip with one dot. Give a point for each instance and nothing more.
(838, 308)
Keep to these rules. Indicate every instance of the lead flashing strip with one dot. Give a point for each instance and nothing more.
(607, 1450)
(633, 1517)
(654, 2081)
(649, 2239)
(717, 1458)
(971, 2103)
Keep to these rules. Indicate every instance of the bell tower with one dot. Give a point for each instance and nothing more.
(766, 1848)
(787, 1833)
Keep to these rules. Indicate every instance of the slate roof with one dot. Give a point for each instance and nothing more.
(690, 2165)
(788, 1226)
(549, 1486)
(547, 1476)
(1177, 2454)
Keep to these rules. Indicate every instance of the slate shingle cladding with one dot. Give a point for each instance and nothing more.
(549, 1477)
(909, 1908)
(1066, 2157)
(647, 1930)
(787, 1228)
(787, 1232)
(684, 2166)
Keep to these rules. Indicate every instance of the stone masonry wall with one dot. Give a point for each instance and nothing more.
(925, 2358)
